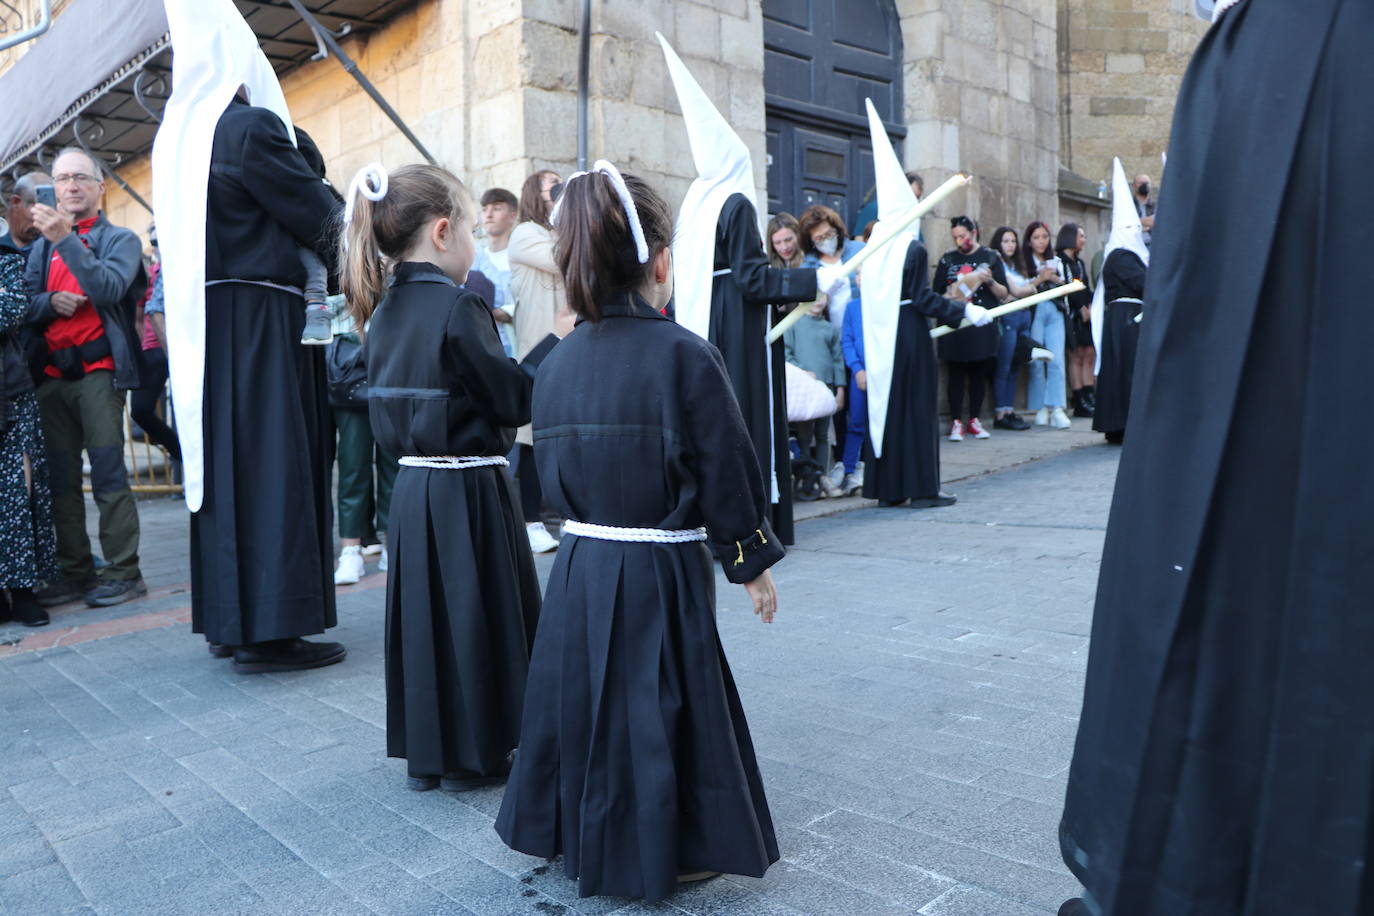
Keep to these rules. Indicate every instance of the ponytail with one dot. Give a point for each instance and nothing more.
(364, 273)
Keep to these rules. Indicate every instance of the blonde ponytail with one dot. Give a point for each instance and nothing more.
(364, 275)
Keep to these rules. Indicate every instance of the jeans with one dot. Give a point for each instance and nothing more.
(858, 427)
(1004, 379)
(1047, 379)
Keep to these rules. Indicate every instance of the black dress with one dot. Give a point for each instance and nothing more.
(1225, 755)
(1123, 279)
(910, 466)
(262, 547)
(635, 760)
(1077, 331)
(740, 304)
(462, 598)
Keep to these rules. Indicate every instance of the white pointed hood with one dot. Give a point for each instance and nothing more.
(1126, 233)
(881, 293)
(214, 53)
(723, 168)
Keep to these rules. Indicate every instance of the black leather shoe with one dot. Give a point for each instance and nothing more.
(25, 609)
(286, 655)
(63, 590)
(218, 651)
(465, 781)
(1010, 421)
(1073, 907)
(891, 503)
(934, 502)
(422, 783)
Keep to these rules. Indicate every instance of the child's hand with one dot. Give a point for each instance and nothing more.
(764, 595)
(839, 399)
(861, 379)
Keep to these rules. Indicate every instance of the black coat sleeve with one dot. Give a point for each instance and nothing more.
(500, 389)
(281, 181)
(739, 247)
(1124, 276)
(923, 298)
(732, 495)
(941, 281)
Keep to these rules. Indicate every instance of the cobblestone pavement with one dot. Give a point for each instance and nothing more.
(913, 709)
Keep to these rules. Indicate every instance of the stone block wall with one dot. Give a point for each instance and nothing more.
(1120, 66)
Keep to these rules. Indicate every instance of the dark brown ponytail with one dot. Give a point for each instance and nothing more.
(595, 248)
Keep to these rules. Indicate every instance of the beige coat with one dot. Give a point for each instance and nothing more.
(537, 288)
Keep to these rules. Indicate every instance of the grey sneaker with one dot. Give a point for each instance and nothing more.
(852, 484)
(63, 590)
(116, 591)
(319, 329)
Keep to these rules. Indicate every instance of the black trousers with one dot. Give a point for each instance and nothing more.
(972, 376)
(143, 402)
(531, 495)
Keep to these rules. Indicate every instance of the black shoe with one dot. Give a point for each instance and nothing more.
(1073, 907)
(1010, 421)
(465, 781)
(934, 502)
(422, 783)
(25, 609)
(116, 591)
(64, 590)
(1116, 438)
(892, 503)
(319, 329)
(1090, 397)
(1081, 406)
(219, 651)
(286, 655)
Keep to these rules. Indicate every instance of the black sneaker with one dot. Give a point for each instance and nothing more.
(116, 591)
(1010, 421)
(63, 590)
(319, 328)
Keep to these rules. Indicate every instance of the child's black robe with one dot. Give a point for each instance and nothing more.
(910, 465)
(635, 760)
(1123, 275)
(462, 599)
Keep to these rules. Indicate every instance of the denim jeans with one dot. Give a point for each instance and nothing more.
(858, 427)
(1004, 381)
(1047, 379)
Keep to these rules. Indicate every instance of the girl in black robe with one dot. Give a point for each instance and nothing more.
(462, 598)
(1224, 763)
(1123, 274)
(910, 466)
(635, 761)
(745, 289)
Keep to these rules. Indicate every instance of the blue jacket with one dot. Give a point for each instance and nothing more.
(852, 338)
(851, 248)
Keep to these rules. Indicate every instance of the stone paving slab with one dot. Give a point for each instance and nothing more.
(913, 709)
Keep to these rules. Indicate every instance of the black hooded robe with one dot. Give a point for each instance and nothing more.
(1225, 756)
(1123, 276)
(262, 544)
(741, 301)
(910, 466)
(635, 759)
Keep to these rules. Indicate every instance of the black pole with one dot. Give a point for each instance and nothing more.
(104, 167)
(351, 68)
(584, 57)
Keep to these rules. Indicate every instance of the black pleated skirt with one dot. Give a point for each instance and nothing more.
(635, 760)
(1120, 334)
(910, 465)
(462, 603)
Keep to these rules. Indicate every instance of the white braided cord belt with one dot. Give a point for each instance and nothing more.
(634, 535)
(452, 462)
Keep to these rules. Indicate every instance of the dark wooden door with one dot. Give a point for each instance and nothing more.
(822, 58)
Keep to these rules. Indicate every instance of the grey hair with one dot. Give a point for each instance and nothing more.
(27, 184)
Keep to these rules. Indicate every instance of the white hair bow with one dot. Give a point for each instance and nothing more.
(369, 181)
(626, 199)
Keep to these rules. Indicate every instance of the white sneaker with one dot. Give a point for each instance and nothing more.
(350, 568)
(371, 550)
(1059, 419)
(829, 490)
(1041, 354)
(540, 539)
(852, 483)
(975, 428)
(836, 474)
(382, 564)
(956, 432)
(1042, 417)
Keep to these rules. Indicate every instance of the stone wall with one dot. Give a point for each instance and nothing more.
(1121, 63)
(980, 87)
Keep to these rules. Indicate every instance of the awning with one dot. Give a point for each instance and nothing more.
(121, 45)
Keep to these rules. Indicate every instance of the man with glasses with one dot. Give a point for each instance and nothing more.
(85, 278)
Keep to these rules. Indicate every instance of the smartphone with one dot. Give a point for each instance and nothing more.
(45, 194)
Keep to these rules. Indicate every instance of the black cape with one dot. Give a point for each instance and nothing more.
(262, 544)
(910, 466)
(1123, 275)
(1225, 755)
(635, 760)
(462, 598)
(741, 301)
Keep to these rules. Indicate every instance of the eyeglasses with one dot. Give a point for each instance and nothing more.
(77, 178)
(830, 236)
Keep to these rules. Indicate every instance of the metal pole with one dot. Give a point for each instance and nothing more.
(327, 37)
(76, 132)
(44, 20)
(584, 57)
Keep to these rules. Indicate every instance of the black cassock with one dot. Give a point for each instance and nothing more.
(462, 598)
(1225, 755)
(741, 301)
(635, 760)
(910, 466)
(262, 544)
(1123, 278)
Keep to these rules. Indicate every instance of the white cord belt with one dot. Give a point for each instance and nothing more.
(722, 272)
(451, 462)
(634, 535)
